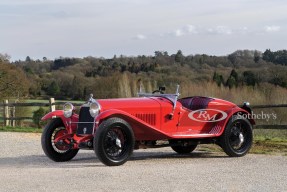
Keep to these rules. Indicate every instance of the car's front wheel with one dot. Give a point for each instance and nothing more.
(237, 137)
(114, 141)
(57, 151)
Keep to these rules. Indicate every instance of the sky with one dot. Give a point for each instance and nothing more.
(104, 28)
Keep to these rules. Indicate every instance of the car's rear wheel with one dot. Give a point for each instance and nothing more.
(57, 151)
(114, 141)
(237, 137)
(181, 147)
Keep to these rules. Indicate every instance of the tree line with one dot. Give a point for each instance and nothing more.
(120, 76)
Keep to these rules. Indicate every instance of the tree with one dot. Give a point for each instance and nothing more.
(53, 89)
(37, 115)
(13, 82)
(232, 80)
(178, 56)
(234, 74)
(4, 58)
(232, 58)
(158, 54)
(28, 59)
(249, 78)
(268, 56)
(256, 56)
(218, 79)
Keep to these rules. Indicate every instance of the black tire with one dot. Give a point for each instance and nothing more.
(54, 152)
(114, 141)
(181, 149)
(237, 137)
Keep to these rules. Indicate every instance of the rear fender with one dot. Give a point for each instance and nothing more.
(141, 129)
(232, 112)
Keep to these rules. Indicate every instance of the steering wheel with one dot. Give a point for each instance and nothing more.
(157, 91)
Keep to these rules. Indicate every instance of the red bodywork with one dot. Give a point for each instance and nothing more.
(153, 118)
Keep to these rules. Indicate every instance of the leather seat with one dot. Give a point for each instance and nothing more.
(195, 103)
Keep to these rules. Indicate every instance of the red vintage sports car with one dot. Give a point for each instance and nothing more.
(113, 128)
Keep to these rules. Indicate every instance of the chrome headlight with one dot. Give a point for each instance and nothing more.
(68, 110)
(94, 109)
(246, 103)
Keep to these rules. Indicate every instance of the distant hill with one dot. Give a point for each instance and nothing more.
(75, 78)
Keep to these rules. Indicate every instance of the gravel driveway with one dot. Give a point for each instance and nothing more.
(24, 167)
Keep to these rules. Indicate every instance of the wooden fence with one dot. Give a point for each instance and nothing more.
(10, 118)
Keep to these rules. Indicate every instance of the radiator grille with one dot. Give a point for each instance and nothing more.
(148, 118)
(86, 122)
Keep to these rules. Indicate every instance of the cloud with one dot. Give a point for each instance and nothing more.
(222, 30)
(243, 30)
(272, 28)
(178, 33)
(218, 30)
(187, 29)
(190, 28)
(140, 37)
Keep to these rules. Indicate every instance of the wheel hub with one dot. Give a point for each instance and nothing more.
(114, 144)
(237, 138)
(118, 143)
(241, 140)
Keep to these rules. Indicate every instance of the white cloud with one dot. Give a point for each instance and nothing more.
(222, 30)
(187, 29)
(140, 37)
(272, 28)
(243, 30)
(190, 28)
(178, 33)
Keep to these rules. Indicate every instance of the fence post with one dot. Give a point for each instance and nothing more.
(52, 104)
(13, 121)
(6, 113)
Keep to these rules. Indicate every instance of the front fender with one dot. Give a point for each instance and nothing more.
(50, 115)
(67, 121)
(142, 130)
(230, 113)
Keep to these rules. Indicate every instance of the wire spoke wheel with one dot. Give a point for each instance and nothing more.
(237, 137)
(57, 151)
(114, 141)
(64, 146)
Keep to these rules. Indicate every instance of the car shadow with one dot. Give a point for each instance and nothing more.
(42, 161)
(137, 156)
(89, 159)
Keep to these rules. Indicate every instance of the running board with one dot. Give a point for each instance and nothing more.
(192, 135)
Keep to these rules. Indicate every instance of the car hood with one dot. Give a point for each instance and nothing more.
(141, 104)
